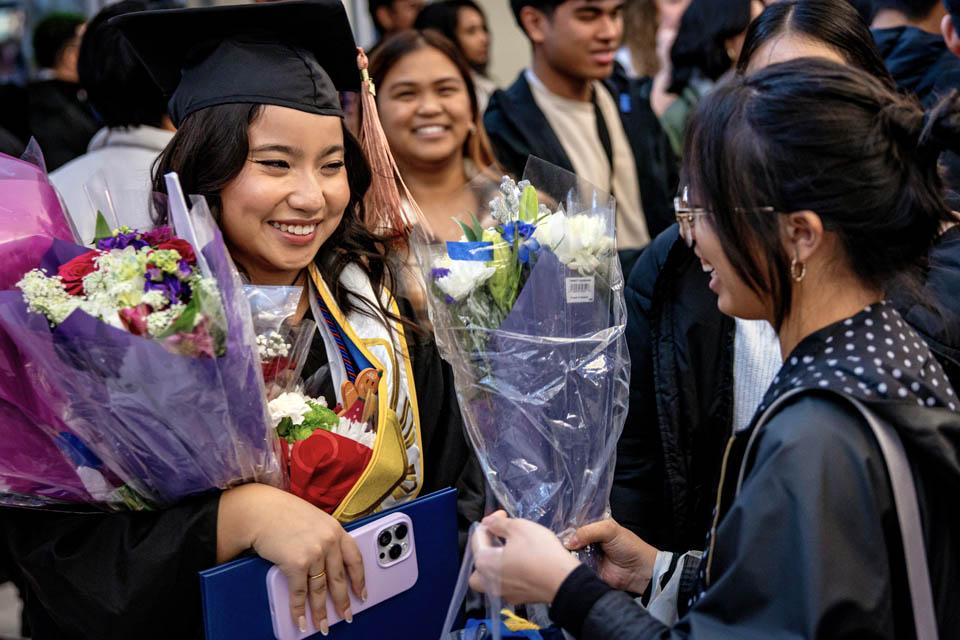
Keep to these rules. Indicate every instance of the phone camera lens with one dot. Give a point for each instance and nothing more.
(400, 532)
(395, 552)
(384, 539)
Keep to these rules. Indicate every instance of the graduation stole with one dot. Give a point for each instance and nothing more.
(373, 378)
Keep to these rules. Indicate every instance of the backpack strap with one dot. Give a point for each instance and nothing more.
(904, 499)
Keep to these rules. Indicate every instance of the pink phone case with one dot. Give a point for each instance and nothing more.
(384, 576)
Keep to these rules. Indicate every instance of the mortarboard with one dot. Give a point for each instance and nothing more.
(296, 54)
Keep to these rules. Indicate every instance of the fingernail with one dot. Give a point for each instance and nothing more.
(363, 596)
(302, 623)
(348, 615)
(324, 627)
(572, 543)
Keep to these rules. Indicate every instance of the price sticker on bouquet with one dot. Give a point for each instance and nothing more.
(580, 289)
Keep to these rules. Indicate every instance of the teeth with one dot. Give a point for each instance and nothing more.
(430, 130)
(295, 229)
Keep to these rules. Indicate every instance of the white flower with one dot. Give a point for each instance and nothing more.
(356, 431)
(459, 278)
(291, 405)
(579, 241)
(46, 295)
(272, 345)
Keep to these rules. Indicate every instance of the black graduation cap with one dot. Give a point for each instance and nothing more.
(292, 54)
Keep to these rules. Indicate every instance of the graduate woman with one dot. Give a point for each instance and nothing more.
(260, 134)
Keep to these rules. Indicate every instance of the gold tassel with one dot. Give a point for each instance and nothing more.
(384, 203)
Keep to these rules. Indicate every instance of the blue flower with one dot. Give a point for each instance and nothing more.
(515, 228)
(439, 272)
(121, 241)
(529, 248)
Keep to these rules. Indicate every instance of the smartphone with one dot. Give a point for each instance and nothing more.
(389, 555)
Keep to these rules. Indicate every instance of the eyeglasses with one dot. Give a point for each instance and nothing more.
(687, 215)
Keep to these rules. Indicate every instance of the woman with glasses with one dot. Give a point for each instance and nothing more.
(696, 374)
(835, 514)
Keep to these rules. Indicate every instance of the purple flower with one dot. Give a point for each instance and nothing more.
(154, 274)
(184, 269)
(172, 287)
(449, 299)
(158, 235)
(122, 241)
(439, 272)
(517, 228)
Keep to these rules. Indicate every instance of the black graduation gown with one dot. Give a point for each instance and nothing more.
(810, 548)
(134, 575)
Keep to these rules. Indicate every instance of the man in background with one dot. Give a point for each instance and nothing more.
(137, 128)
(58, 114)
(391, 16)
(564, 110)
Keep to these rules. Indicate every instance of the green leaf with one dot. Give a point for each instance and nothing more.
(102, 229)
(529, 205)
(477, 227)
(468, 233)
(187, 319)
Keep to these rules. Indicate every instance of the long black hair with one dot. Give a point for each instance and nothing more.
(814, 135)
(209, 150)
(834, 23)
(701, 40)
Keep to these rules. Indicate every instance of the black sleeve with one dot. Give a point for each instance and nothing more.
(449, 460)
(637, 498)
(116, 575)
(803, 552)
(510, 150)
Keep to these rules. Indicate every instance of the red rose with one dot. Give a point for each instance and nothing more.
(73, 272)
(180, 246)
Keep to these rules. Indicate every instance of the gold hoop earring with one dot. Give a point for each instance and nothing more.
(798, 270)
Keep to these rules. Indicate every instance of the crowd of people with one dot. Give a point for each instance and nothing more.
(787, 230)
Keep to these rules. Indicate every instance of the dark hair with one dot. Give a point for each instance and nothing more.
(546, 6)
(117, 83)
(866, 8)
(835, 23)
(444, 16)
(52, 36)
(372, 6)
(477, 146)
(640, 23)
(700, 44)
(814, 135)
(913, 9)
(210, 149)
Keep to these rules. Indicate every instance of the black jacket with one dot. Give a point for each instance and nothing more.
(518, 129)
(811, 546)
(681, 385)
(681, 398)
(60, 120)
(919, 62)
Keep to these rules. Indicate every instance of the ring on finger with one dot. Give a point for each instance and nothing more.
(318, 576)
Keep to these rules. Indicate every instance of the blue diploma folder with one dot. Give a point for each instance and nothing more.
(235, 605)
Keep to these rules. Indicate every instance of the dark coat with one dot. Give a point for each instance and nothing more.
(919, 62)
(134, 575)
(681, 398)
(518, 129)
(60, 120)
(810, 547)
(681, 385)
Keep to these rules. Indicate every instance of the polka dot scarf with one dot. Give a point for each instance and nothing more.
(872, 356)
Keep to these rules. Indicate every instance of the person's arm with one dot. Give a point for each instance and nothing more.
(801, 554)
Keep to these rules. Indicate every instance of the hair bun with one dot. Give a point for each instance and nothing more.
(940, 129)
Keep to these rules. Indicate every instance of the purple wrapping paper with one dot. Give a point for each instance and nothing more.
(167, 425)
(30, 216)
(547, 399)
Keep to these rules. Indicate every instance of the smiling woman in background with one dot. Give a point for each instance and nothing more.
(428, 107)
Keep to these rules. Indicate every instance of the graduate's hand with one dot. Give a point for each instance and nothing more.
(529, 567)
(627, 561)
(301, 540)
